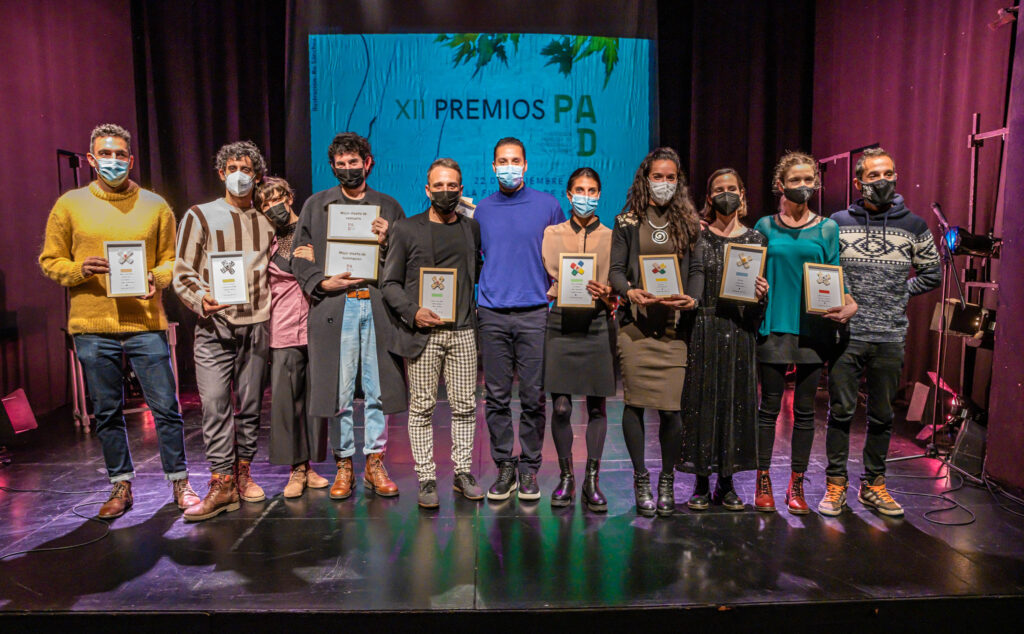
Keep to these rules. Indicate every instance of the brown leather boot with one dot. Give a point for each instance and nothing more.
(795, 495)
(764, 500)
(314, 480)
(221, 498)
(342, 487)
(120, 500)
(184, 495)
(296, 482)
(248, 490)
(376, 476)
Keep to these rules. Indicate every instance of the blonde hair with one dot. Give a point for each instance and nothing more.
(790, 160)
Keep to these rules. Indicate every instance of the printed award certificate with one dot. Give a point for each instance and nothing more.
(128, 275)
(439, 292)
(574, 271)
(744, 263)
(660, 275)
(228, 283)
(360, 259)
(823, 287)
(351, 222)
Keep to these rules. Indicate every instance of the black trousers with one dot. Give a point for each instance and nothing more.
(295, 437)
(773, 384)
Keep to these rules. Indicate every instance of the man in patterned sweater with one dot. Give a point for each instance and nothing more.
(232, 342)
(880, 240)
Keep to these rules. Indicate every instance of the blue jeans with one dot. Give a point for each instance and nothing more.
(358, 349)
(151, 359)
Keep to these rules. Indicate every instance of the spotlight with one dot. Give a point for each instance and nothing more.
(963, 242)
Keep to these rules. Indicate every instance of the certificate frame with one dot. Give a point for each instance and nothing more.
(667, 258)
(351, 229)
(728, 272)
(451, 304)
(566, 261)
(137, 271)
(333, 266)
(228, 296)
(828, 285)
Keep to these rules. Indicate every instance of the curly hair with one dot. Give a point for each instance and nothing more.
(790, 160)
(684, 225)
(240, 150)
(104, 130)
(349, 143)
(270, 188)
(707, 212)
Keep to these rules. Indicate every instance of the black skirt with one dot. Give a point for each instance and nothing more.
(579, 353)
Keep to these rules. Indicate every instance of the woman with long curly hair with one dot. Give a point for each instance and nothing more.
(658, 218)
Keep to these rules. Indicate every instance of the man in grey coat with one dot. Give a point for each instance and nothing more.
(349, 326)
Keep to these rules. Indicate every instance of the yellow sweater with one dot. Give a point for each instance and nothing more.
(80, 221)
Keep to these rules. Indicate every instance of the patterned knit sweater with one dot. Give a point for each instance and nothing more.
(878, 249)
(79, 223)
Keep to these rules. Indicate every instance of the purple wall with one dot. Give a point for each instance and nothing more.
(67, 67)
(908, 75)
(1005, 429)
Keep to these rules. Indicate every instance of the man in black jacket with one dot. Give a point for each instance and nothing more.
(444, 239)
(349, 326)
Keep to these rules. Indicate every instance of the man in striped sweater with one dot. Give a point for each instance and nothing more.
(231, 342)
(880, 242)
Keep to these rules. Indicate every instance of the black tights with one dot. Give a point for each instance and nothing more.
(670, 433)
(561, 429)
(773, 384)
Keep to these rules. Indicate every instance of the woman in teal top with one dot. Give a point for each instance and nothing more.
(788, 335)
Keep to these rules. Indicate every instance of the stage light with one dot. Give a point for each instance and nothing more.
(963, 242)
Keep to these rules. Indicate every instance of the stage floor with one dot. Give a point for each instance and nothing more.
(369, 553)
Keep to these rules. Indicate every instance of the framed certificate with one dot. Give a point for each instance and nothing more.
(228, 283)
(358, 258)
(574, 271)
(744, 263)
(439, 291)
(128, 275)
(659, 275)
(823, 287)
(351, 222)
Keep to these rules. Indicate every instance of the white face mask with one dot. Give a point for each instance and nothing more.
(662, 192)
(239, 183)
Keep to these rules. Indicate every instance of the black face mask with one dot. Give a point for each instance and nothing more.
(278, 214)
(445, 201)
(726, 203)
(350, 177)
(798, 195)
(879, 193)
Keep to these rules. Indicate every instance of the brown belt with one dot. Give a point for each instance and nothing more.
(360, 294)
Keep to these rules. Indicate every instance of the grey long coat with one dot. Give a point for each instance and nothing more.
(326, 310)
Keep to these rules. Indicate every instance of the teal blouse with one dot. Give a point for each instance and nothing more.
(788, 250)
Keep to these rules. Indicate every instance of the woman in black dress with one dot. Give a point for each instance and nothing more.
(720, 396)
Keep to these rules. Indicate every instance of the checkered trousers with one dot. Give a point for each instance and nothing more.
(455, 351)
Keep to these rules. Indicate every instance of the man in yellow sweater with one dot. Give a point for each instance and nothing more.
(114, 208)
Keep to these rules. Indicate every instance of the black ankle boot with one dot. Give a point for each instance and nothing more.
(591, 491)
(566, 489)
(642, 492)
(700, 500)
(666, 493)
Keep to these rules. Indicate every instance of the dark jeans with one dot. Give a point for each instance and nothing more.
(512, 342)
(773, 384)
(151, 359)
(882, 364)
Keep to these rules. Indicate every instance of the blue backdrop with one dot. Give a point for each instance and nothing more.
(573, 100)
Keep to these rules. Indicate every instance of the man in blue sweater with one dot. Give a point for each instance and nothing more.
(513, 306)
(880, 241)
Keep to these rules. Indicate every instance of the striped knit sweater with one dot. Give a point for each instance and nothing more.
(215, 227)
(877, 251)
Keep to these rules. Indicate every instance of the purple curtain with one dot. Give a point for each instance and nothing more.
(909, 75)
